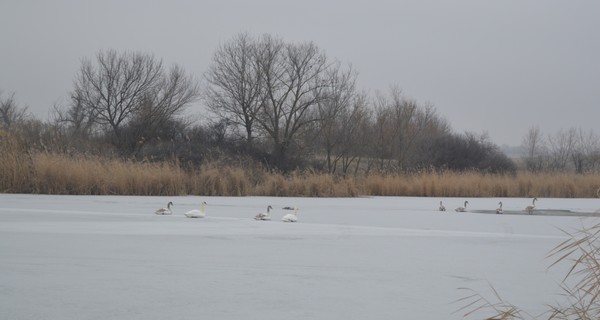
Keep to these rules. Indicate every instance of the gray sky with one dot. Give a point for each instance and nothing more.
(487, 66)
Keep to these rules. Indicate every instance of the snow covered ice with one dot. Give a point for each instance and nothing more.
(111, 257)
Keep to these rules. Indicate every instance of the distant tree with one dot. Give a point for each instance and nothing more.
(333, 113)
(120, 86)
(155, 117)
(10, 112)
(111, 89)
(403, 132)
(470, 152)
(354, 143)
(564, 150)
(534, 143)
(76, 119)
(293, 76)
(586, 153)
(383, 133)
(561, 146)
(234, 90)
(430, 127)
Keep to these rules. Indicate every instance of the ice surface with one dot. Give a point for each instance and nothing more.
(111, 257)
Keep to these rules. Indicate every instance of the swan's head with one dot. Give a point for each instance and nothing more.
(169, 204)
(269, 208)
(295, 210)
(466, 202)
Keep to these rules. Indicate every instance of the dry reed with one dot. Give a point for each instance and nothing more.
(49, 173)
(15, 164)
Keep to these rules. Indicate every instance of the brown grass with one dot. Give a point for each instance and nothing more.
(474, 184)
(15, 164)
(60, 174)
(50, 173)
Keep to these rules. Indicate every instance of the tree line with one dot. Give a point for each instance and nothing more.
(286, 106)
(572, 150)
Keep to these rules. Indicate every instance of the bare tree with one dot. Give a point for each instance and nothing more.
(401, 126)
(534, 144)
(586, 152)
(120, 86)
(10, 112)
(293, 76)
(354, 132)
(112, 88)
(234, 90)
(334, 113)
(383, 133)
(154, 117)
(427, 127)
(533, 141)
(75, 119)
(561, 146)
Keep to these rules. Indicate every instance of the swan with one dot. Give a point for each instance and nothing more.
(442, 208)
(462, 209)
(165, 211)
(530, 208)
(499, 209)
(264, 215)
(291, 217)
(197, 213)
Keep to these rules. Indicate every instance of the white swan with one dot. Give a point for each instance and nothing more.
(462, 209)
(291, 217)
(442, 208)
(197, 213)
(264, 215)
(165, 211)
(499, 209)
(530, 208)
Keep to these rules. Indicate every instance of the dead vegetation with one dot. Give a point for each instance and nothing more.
(54, 173)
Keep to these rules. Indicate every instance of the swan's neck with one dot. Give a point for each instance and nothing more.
(202, 205)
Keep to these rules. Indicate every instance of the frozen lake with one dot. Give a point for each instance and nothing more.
(110, 257)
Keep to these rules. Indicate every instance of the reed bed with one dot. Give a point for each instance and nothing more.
(475, 184)
(49, 173)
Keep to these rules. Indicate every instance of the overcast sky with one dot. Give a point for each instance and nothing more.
(487, 66)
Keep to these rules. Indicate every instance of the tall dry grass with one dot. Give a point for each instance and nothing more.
(15, 164)
(49, 173)
(60, 174)
(474, 184)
